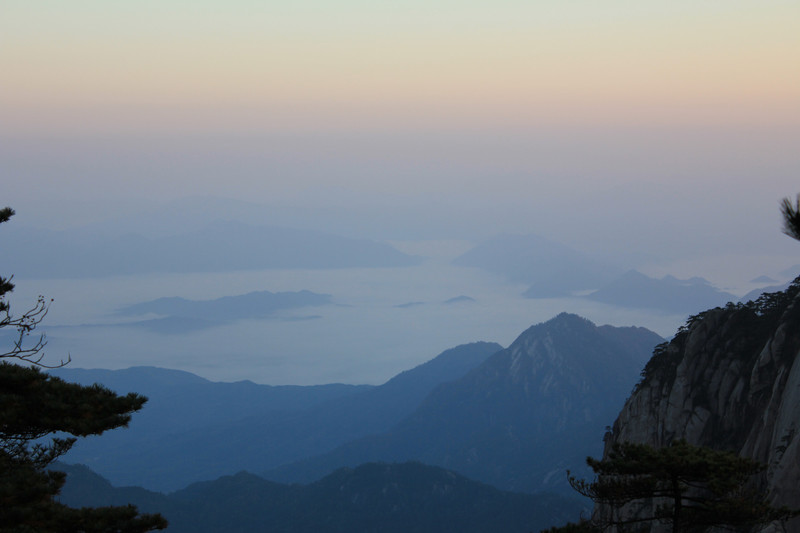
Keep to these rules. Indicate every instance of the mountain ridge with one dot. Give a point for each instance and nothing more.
(505, 421)
(372, 497)
(670, 294)
(234, 430)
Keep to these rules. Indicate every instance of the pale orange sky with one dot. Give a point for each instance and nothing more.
(112, 65)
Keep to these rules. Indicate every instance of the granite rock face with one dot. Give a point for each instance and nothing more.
(730, 379)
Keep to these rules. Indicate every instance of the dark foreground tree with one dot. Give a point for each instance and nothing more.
(35, 405)
(689, 487)
(791, 217)
(583, 526)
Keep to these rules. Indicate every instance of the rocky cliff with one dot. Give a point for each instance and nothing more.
(728, 380)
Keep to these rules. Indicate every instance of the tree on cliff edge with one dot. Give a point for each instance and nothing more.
(692, 488)
(34, 405)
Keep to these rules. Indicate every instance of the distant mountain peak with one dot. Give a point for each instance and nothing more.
(563, 322)
(566, 354)
(525, 412)
(670, 294)
(764, 279)
(552, 268)
(460, 299)
(570, 320)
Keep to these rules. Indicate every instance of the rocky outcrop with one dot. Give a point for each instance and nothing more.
(728, 380)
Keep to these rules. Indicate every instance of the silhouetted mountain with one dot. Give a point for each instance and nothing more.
(220, 246)
(373, 497)
(520, 419)
(791, 272)
(755, 294)
(85, 488)
(192, 433)
(551, 268)
(181, 401)
(763, 279)
(180, 315)
(409, 304)
(460, 299)
(669, 294)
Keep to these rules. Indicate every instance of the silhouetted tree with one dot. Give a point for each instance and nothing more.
(583, 526)
(33, 405)
(791, 217)
(691, 488)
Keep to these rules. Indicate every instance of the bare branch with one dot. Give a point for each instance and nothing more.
(21, 348)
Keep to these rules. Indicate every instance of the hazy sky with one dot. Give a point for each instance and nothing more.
(673, 125)
(657, 135)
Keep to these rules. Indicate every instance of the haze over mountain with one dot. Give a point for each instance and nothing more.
(193, 429)
(481, 416)
(668, 294)
(178, 315)
(216, 246)
(521, 418)
(552, 269)
(756, 293)
(363, 339)
(204, 151)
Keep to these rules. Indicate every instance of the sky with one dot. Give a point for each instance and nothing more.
(475, 90)
(395, 98)
(174, 65)
(658, 134)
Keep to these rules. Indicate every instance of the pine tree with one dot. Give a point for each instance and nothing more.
(691, 488)
(35, 405)
(791, 217)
